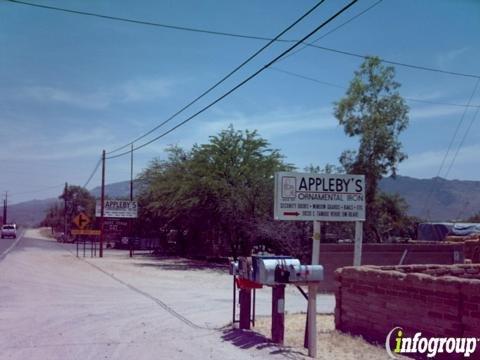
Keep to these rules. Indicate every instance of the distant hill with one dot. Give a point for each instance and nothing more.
(450, 199)
(29, 213)
(117, 190)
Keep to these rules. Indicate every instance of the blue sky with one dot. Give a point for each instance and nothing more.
(72, 85)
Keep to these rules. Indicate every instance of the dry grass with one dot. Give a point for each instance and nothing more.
(331, 344)
(44, 233)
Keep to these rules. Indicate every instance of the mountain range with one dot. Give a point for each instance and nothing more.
(435, 199)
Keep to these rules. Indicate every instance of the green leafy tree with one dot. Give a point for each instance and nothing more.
(373, 111)
(327, 169)
(54, 217)
(215, 196)
(392, 220)
(76, 199)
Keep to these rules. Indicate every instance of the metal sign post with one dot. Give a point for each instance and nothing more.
(357, 255)
(312, 294)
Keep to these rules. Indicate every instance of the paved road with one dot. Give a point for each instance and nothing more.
(8, 244)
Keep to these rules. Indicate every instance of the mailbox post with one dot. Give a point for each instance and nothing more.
(275, 271)
(244, 298)
(278, 313)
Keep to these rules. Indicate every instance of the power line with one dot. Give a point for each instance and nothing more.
(346, 7)
(467, 202)
(397, 63)
(452, 140)
(141, 22)
(95, 169)
(466, 106)
(441, 103)
(459, 124)
(465, 134)
(311, 44)
(251, 37)
(220, 81)
(309, 78)
(333, 30)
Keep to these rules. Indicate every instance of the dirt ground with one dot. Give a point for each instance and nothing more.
(331, 344)
(54, 305)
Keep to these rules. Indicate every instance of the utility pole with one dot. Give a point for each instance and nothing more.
(130, 221)
(102, 206)
(65, 211)
(5, 205)
(131, 173)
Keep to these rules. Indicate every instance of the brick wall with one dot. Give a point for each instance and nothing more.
(472, 250)
(437, 300)
(334, 256)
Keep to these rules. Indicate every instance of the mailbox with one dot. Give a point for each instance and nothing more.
(274, 270)
(234, 268)
(271, 270)
(305, 274)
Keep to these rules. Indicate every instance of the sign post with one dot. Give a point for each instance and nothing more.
(320, 197)
(81, 220)
(312, 294)
(357, 254)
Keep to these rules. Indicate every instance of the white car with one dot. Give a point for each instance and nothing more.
(9, 231)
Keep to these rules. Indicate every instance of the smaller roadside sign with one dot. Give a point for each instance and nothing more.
(81, 220)
(90, 232)
(117, 209)
(115, 226)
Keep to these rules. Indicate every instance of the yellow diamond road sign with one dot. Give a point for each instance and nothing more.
(81, 220)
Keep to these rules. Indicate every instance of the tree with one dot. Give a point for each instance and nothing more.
(76, 199)
(373, 111)
(392, 220)
(216, 195)
(327, 169)
(475, 218)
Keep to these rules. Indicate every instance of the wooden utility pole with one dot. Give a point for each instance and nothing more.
(131, 173)
(102, 206)
(65, 211)
(5, 207)
(130, 221)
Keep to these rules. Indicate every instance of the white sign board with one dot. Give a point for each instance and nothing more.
(117, 209)
(322, 197)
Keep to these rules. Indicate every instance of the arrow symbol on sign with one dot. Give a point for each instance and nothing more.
(81, 220)
(291, 213)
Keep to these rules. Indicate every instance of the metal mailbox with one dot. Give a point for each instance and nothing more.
(274, 270)
(234, 270)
